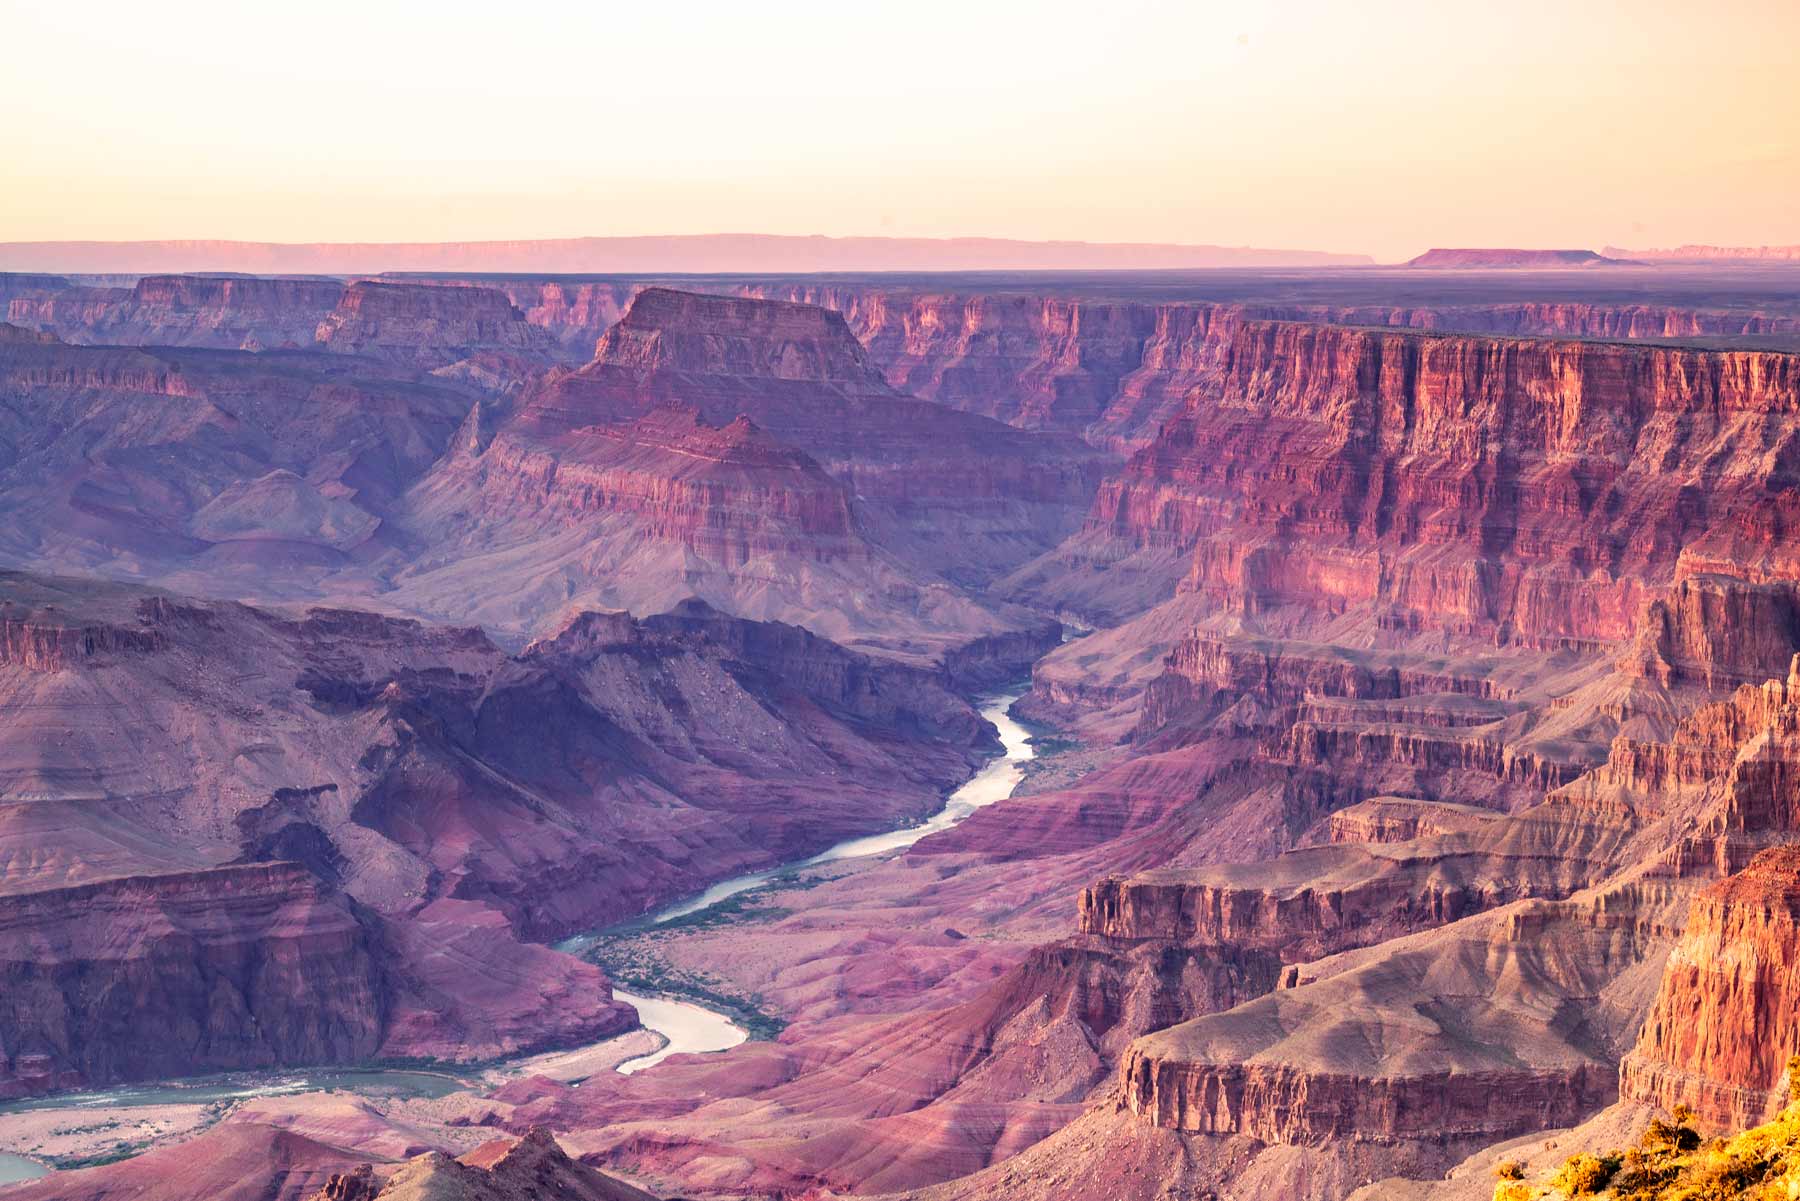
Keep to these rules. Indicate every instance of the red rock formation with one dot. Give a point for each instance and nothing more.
(30, 642)
(1294, 1106)
(573, 313)
(1523, 492)
(236, 967)
(1722, 1029)
(798, 372)
(1110, 370)
(225, 312)
(729, 494)
(1417, 1058)
(229, 312)
(67, 309)
(1402, 819)
(1115, 370)
(1717, 632)
(425, 325)
(530, 1168)
(1434, 864)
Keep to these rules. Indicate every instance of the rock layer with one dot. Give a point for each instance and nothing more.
(1511, 490)
(1721, 1032)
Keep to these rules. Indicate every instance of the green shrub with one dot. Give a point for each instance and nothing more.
(1584, 1175)
(1660, 1136)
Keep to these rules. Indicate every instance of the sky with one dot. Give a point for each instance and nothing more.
(1376, 126)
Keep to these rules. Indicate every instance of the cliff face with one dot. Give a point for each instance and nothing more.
(425, 325)
(1435, 864)
(1115, 370)
(799, 373)
(573, 314)
(1716, 632)
(237, 313)
(729, 494)
(1109, 370)
(1387, 1048)
(1522, 491)
(416, 324)
(723, 336)
(33, 644)
(1292, 1106)
(1719, 1035)
(174, 975)
(223, 312)
(1721, 1032)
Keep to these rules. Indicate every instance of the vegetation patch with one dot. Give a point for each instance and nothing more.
(1672, 1162)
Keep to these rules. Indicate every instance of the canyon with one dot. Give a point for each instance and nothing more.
(391, 665)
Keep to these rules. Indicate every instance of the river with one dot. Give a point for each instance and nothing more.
(994, 782)
(691, 1028)
(14, 1168)
(687, 1027)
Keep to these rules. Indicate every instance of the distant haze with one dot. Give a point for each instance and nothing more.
(698, 253)
(1382, 127)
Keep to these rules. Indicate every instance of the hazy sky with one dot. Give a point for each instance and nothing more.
(1376, 126)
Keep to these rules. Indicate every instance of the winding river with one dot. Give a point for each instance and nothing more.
(691, 1028)
(687, 1027)
(994, 782)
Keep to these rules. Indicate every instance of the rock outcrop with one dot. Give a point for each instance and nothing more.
(181, 974)
(1080, 360)
(1518, 491)
(531, 1168)
(227, 312)
(1308, 1064)
(1722, 1029)
(425, 325)
(799, 373)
